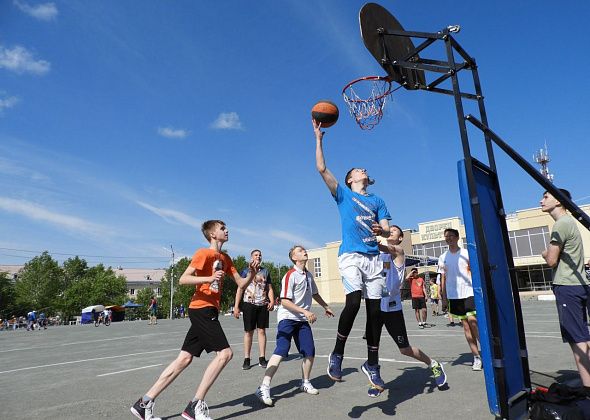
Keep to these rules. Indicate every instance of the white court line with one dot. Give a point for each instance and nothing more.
(87, 360)
(129, 370)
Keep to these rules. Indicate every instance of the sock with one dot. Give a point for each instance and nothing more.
(305, 381)
(146, 399)
(194, 399)
(433, 363)
(340, 342)
(265, 385)
(373, 353)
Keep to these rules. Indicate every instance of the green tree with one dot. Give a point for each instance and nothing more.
(7, 296)
(108, 288)
(39, 285)
(143, 297)
(74, 269)
(182, 293)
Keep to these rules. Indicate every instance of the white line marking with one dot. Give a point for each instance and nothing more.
(129, 370)
(87, 360)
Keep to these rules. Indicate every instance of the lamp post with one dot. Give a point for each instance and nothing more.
(171, 282)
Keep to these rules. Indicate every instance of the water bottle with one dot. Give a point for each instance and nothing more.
(217, 265)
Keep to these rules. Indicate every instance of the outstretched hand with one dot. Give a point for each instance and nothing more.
(329, 312)
(317, 129)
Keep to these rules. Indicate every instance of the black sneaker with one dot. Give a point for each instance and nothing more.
(246, 364)
(144, 411)
(262, 362)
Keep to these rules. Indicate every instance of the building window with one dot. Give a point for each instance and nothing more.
(431, 249)
(534, 277)
(132, 292)
(528, 242)
(317, 267)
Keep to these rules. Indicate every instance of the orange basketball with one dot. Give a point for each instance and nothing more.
(325, 112)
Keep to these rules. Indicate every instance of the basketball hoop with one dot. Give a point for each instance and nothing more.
(367, 112)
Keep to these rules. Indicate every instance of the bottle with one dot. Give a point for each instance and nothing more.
(217, 265)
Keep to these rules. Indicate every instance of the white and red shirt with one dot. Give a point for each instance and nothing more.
(298, 286)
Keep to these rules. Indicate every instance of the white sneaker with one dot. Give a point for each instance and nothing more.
(144, 411)
(308, 388)
(263, 394)
(476, 363)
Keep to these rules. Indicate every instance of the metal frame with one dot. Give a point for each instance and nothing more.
(449, 70)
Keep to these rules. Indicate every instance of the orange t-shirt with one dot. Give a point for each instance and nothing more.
(202, 262)
(417, 287)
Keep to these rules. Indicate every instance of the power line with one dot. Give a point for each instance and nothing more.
(81, 255)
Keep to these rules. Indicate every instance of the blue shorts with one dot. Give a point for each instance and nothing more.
(300, 332)
(571, 304)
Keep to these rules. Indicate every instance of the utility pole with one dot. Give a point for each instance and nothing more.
(172, 283)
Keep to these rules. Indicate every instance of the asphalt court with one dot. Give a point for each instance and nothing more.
(97, 373)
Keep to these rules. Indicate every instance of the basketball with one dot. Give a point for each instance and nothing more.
(325, 112)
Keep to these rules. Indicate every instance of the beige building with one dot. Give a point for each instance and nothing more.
(528, 232)
(137, 278)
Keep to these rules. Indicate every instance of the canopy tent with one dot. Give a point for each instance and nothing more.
(117, 312)
(88, 312)
(130, 304)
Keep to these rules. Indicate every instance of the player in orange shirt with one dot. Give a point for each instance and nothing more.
(418, 291)
(206, 271)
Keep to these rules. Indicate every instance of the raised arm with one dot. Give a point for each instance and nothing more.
(320, 162)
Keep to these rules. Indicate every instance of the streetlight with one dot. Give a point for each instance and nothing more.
(171, 281)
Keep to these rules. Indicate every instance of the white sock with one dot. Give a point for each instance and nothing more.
(433, 363)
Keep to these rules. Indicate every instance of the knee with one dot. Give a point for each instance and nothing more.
(262, 332)
(183, 360)
(225, 355)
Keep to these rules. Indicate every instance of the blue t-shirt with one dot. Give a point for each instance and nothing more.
(357, 213)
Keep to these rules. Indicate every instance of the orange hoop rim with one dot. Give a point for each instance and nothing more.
(369, 78)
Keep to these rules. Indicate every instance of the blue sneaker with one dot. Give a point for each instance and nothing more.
(373, 392)
(335, 366)
(440, 377)
(374, 376)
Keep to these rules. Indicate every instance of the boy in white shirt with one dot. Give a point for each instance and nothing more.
(294, 319)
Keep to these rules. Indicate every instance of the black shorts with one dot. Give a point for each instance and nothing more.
(396, 327)
(462, 308)
(418, 303)
(205, 332)
(434, 301)
(255, 316)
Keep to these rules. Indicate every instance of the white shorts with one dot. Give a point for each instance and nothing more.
(362, 272)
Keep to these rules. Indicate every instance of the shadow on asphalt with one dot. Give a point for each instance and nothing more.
(412, 382)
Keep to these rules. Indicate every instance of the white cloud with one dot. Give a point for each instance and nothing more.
(7, 102)
(9, 168)
(37, 212)
(172, 216)
(293, 238)
(20, 60)
(44, 11)
(172, 133)
(227, 121)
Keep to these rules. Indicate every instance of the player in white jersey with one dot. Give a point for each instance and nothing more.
(294, 322)
(453, 265)
(391, 315)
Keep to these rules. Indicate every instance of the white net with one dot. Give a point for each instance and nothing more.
(367, 105)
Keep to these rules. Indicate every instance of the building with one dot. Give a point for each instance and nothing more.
(137, 278)
(528, 232)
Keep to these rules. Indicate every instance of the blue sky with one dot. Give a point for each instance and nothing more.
(124, 125)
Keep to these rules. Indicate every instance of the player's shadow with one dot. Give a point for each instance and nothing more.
(465, 359)
(545, 379)
(279, 391)
(413, 381)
